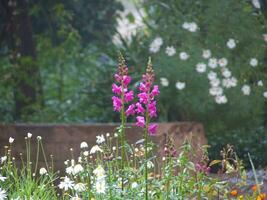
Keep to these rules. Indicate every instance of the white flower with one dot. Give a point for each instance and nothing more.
(170, 51)
(222, 62)
(215, 82)
(76, 197)
(115, 135)
(86, 153)
(11, 140)
(164, 82)
(114, 148)
(265, 94)
(3, 194)
(95, 148)
(69, 170)
(213, 63)
(134, 185)
(253, 62)
(155, 45)
(2, 178)
(29, 135)
(180, 85)
(215, 91)
(84, 145)
(246, 89)
(77, 169)
(190, 26)
(39, 138)
(256, 4)
(229, 82)
(226, 73)
(107, 134)
(260, 83)
(212, 75)
(100, 139)
(183, 56)
(206, 53)
(100, 187)
(264, 37)
(150, 164)
(231, 44)
(3, 159)
(201, 67)
(80, 187)
(99, 171)
(186, 25)
(66, 184)
(221, 99)
(42, 171)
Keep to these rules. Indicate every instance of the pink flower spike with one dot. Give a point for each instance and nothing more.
(117, 77)
(139, 108)
(143, 88)
(116, 89)
(143, 97)
(129, 96)
(140, 121)
(155, 91)
(117, 104)
(130, 110)
(152, 109)
(126, 80)
(152, 129)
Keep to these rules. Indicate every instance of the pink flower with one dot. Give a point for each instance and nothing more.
(117, 77)
(126, 80)
(130, 110)
(140, 121)
(117, 104)
(116, 89)
(152, 129)
(129, 96)
(152, 109)
(139, 108)
(142, 87)
(155, 91)
(143, 97)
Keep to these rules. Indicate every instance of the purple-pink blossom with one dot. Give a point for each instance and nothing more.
(126, 80)
(117, 103)
(130, 110)
(143, 97)
(155, 91)
(152, 109)
(128, 96)
(116, 89)
(140, 121)
(152, 129)
(139, 108)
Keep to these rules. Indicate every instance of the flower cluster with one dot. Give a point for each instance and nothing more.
(100, 183)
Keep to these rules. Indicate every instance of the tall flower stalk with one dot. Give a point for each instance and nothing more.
(146, 110)
(122, 97)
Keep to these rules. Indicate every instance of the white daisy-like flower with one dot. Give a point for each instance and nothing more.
(76, 197)
(201, 67)
(215, 82)
(229, 82)
(170, 51)
(84, 145)
(86, 153)
(100, 139)
(256, 4)
(77, 169)
(222, 62)
(69, 170)
(180, 85)
(183, 56)
(164, 82)
(95, 149)
(190, 26)
(99, 171)
(246, 89)
(155, 45)
(213, 63)
(29, 135)
(3, 159)
(66, 184)
(150, 164)
(2, 178)
(212, 75)
(80, 187)
(186, 25)
(42, 171)
(226, 73)
(11, 140)
(221, 99)
(253, 62)
(38, 138)
(100, 187)
(231, 43)
(215, 91)
(206, 53)
(264, 37)
(134, 185)
(3, 194)
(260, 83)
(265, 94)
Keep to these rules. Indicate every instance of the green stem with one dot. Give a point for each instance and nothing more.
(122, 138)
(37, 157)
(146, 156)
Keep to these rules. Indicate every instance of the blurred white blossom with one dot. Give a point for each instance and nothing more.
(212, 75)
(170, 51)
(183, 56)
(100, 139)
(180, 85)
(260, 83)
(164, 82)
(206, 53)
(155, 45)
(213, 63)
(231, 43)
(190, 26)
(222, 62)
(265, 94)
(253, 62)
(215, 91)
(256, 4)
(201, 67)
(246, 89)
(66, 184)
(221, 99)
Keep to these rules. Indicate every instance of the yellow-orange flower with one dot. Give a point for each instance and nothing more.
(254, 188)
(234, 193)
(261, 196)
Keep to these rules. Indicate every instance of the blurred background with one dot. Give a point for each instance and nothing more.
(57, 60)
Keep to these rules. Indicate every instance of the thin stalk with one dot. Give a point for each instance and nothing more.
(122, 138)
(146, 154)
(254, 173)
(37, 156)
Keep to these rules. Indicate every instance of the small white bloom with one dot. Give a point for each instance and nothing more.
(69, 170)
(80, 187)
(229, 82)
(134, 185)
(265, 94)
(206, 53)
(76, 197)
(253, 62)
(77, 169)
(170, 51)
(11, 140)
(215, 82)
(39, 138)
(114, 148)
(150, 164)
(226, 73)
(29, 135)
(213, 63)
(100, 187)
(107, 134)
(42, 171)
(180, 85)
(215, 91)
(155, 45)
(100, 139)
(115, 135)
(2, 178)
(201, 67)
(86, 153)
(95, 148)
(256, 4)
(3, 159)
(3, 194)
(222, 62)
(265, 37)
(186, 25)
(212, 75)
(183, 56)
(99, 171)
(246, 89)
(84, 145)
(66, 162)
(231, 44)
(66, 184)
(260, 83)
(221, 99)
(164, 82)
(190, 26)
